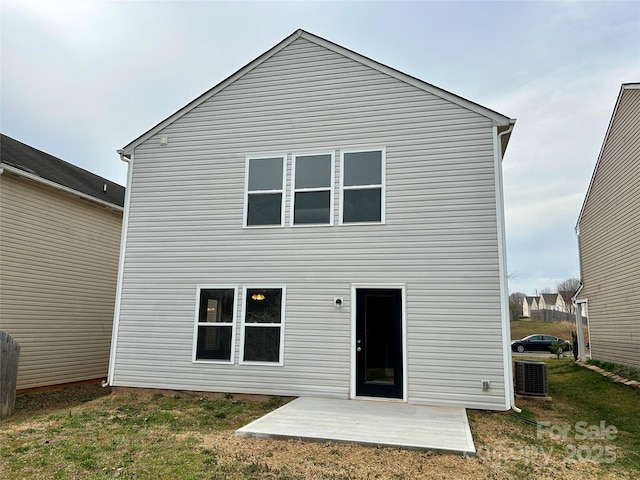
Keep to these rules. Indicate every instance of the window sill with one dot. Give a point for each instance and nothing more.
(251, 227)
(263, 364)
(342, 224)
(302, 225)
(215, 362)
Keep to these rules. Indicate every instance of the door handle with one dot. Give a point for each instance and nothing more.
(358, 349)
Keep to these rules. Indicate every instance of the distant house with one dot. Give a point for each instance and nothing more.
(318, 224)
(552, 301)
(608, 232)
(59, 244)
(529, 304)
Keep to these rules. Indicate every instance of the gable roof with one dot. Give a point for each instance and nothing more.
(27, 161)
(624, 88)
(503, 122)
(550, 297)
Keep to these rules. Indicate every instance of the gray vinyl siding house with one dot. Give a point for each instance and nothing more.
(318, 224)
(608, 231)
(60, 230)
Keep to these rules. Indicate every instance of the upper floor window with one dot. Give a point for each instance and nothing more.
(312, 189)
(362, 186)
(264, 192)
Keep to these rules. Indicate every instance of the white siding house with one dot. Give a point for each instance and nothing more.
(318, 224)
(529, 304)
(552, 301)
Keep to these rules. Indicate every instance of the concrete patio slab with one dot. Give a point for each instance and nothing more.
(368, 423)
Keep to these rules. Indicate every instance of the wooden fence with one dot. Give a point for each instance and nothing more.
(9, 356)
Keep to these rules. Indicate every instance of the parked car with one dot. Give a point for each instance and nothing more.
(538, 343)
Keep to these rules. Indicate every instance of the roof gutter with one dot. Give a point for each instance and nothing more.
(30, 176)
(506, 134)
(128, 158)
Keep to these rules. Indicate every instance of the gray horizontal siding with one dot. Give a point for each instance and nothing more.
(440, 238)
(58, 269)
(610, 240)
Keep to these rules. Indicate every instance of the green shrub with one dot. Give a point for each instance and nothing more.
(557, 348)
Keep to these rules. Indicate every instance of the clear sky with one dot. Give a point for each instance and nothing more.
(81, 79)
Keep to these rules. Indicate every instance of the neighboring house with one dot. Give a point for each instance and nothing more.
(318, 224)
(608, 232)
(552, 301)
(60, 230)
(529, 304)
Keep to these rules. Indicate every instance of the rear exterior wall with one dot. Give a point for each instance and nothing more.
(440, 237)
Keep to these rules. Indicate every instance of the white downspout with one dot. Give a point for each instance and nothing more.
(502, 257)
(123, 246)
(582, 354)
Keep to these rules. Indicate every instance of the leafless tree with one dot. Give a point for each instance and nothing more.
(515, 305)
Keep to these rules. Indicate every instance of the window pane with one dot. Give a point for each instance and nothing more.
(262, 344)
(214, 343)
(265, 174)
(216, 305)
(363, 168)
(313, 171)
(264, 209)
(312, 207)
(362, 205)
(263, 305)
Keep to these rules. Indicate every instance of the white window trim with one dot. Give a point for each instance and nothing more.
(382, 186)
(323, 189)
(196, 323)
(243, 324)
(245, 213)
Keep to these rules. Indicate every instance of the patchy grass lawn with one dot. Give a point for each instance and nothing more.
(625, 371)
(86, 432)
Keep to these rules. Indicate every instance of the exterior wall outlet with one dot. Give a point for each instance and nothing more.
(485, 385)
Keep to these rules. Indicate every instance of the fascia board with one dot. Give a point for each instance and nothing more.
(57, 186)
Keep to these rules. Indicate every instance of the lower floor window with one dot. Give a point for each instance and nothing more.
(215, 320)
(262, 326)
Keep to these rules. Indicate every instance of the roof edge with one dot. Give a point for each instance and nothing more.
(624, 86)
(496, 117)
(499, 118)
(128, 149)
(57, 186)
